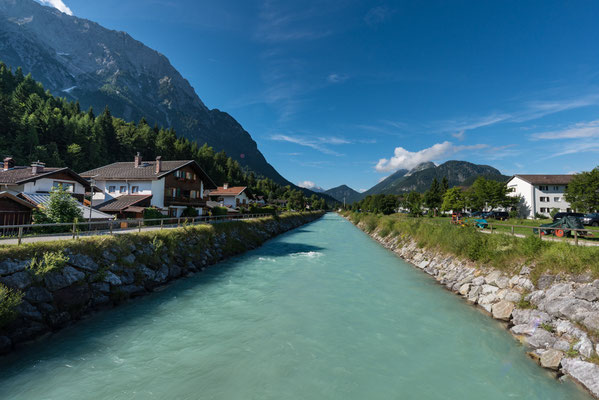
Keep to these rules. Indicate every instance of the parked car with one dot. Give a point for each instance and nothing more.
(561, 215)
(591, 219)
(500, 215)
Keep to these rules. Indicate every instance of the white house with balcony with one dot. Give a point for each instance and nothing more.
(540, 193)
(231, 197)
(127, 188)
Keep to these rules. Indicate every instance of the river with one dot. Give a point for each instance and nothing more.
(322, 312)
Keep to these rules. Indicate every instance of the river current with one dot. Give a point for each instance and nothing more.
(322, 312)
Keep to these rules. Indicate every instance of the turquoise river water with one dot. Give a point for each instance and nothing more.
(322, 312)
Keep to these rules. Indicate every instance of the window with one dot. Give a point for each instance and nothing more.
(134, 189)
(543, 187)
(111, 189)
(123, 189)
(544, 199)
(193, 194)
(188, 175)
(195, 177)
(557, 199)
(556, 188)
(544, 210)
(66, 186)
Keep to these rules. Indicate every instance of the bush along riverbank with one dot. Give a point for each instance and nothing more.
(549, 301)
(47, 286)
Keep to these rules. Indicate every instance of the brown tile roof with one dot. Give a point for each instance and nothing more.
(546, 179)
(122, 202)
(20, 175)
(146, 171)
(232, 191)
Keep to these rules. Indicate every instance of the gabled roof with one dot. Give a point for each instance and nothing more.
(6, 195)
(146, 171)
(546, 179)
(122, 202)
(42, 199)
(20, 175)
(232, 191)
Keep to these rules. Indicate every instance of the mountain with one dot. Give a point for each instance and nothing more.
(387, 185)
(342, 192)
(419, 179)
(81, 60)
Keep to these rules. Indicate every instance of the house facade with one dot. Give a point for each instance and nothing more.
(14, 211)
(540, 193)
(231, 197)
(38, 178)
(126, 188)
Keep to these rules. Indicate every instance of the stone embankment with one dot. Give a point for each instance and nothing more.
(557, 318)
(57, 283)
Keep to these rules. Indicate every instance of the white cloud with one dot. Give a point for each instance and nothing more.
(337, 78)
(59, 5)
(403, 158)
(310, 185)
(576, 131)
(459, 135)
(317, 143)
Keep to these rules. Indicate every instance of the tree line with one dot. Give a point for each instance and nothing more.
(35, 125)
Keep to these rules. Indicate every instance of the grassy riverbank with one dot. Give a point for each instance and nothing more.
(499, 251)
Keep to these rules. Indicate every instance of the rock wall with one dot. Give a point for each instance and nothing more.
(557, 318)
(85, 275)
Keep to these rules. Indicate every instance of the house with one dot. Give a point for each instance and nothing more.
(41, 200)
(127, 188)
(14, 211)
(231, 197)
(38, 178)
(540, 193)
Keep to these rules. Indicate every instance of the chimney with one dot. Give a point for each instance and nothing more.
(225, 186)
(9, 163)
(137, 160)
(158, 164)
(37, 167)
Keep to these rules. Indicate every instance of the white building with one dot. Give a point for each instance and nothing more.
(540, 193)
(231, 197)
(126, 188)
(38, 178)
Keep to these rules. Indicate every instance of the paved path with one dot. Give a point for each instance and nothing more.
(69, 236)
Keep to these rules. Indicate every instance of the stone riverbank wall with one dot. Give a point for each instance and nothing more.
(47, 286)
(557, 318)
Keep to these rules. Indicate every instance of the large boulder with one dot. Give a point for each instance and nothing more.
(83, 262)
(73, 298)
(551, 359)
(19, 280)
(503, 310)
(8, 267)
(584, 372)
(36, 294)
(64, 278)
(112, 279)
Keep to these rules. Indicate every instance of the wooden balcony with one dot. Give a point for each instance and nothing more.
(184, 201)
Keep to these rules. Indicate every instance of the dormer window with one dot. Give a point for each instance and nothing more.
(66, 186)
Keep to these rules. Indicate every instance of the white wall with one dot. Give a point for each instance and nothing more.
(157, 191)
(531, 197)
(145, 187)
(46, 184)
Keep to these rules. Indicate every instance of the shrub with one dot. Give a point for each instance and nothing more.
(152, 213)
(50, 261)
(189, 212)
(220, 211)
(9, 301)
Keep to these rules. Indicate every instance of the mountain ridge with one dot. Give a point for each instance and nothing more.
(343, 193)
(81, 60)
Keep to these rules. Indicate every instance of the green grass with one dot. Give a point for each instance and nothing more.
(504, 252)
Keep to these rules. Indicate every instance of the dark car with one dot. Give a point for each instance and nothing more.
(500, 215)
(591, 219)
(561, 215)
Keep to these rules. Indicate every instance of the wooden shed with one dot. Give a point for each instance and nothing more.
(14, 211)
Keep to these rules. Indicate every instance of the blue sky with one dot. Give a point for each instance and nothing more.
(346, 92)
